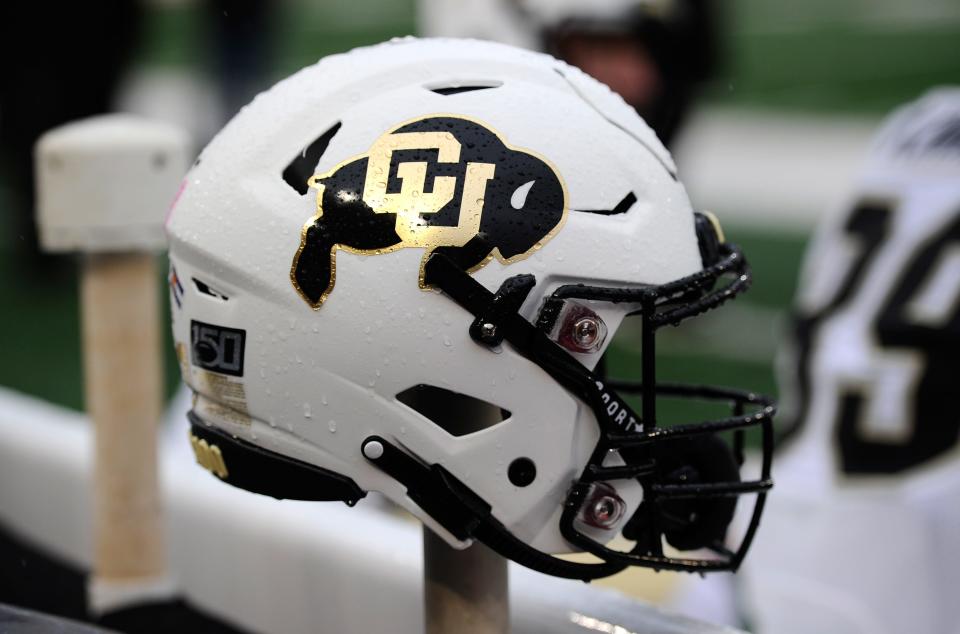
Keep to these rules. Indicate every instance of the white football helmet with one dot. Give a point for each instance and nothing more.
(396, 271)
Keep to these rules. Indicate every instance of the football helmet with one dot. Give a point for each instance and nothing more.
(397, 271)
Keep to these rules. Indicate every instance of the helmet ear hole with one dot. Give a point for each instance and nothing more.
(522, 472)
(455, 413)
(689, 524)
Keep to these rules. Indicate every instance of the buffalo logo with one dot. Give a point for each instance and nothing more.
(445, 184)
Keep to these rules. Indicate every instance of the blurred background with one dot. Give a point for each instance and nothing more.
(770, 144)
(780, 119)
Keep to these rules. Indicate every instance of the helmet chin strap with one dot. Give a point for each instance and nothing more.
(467, 516)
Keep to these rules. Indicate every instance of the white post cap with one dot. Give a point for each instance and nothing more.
(105, 183)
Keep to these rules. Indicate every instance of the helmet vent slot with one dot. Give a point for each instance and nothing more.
(301, 168)
(458, 87)
(621, 207)
(455, 413)
(206, 289)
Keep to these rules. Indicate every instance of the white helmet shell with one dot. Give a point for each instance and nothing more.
(311, 377)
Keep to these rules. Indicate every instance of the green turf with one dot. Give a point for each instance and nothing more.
(838, 68)
(696, 370)
(774, 257)
(40, 332)
(173, 35)
(40, 329)
(179, 34)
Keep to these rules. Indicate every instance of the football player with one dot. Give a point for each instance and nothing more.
(863, 535)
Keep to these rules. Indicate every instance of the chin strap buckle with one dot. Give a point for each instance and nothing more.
(433, 488)
(465, 515)
(486, 328)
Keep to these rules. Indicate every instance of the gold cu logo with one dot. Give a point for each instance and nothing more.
(412, 205)
(209, 457)
(444, 183)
